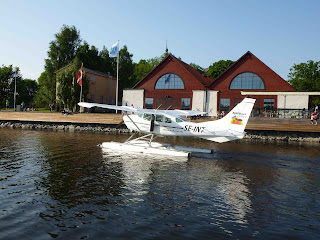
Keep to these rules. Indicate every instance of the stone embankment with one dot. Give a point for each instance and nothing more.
(71, 127)
(284, 136)
(263, 135)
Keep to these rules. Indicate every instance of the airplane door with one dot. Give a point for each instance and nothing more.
(152, 123)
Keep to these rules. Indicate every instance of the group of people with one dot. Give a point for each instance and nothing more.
(315, 116)
(65, 112)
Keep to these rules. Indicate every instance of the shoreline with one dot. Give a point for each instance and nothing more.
(264, 135)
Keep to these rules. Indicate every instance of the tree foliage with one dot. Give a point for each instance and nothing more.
(7, 83)
(216, 68)
(306, 76)
(126, 68)
(68, 90)
(46, 93)
(62, 51)
(27, 90)
(93, 59)
(196, 66)
(142, 68)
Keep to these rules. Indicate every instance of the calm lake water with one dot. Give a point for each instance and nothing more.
(57, 185)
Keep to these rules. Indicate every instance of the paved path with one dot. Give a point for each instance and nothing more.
(301, 125)
(58, 117)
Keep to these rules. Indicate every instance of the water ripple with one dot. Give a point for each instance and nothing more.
(61, 185)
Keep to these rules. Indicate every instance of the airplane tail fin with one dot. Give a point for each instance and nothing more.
(231, 127)
(238, 117)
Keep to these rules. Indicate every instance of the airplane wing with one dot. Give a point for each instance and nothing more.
(121, 108)
(176, 112)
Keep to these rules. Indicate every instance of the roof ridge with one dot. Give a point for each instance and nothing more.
(182, 64)
(152, 70)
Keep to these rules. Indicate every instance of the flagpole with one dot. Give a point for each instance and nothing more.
(81, 93)
(15, 89)
(117, 75)
(81, 84)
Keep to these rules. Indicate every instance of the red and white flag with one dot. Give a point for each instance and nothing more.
(79, 76)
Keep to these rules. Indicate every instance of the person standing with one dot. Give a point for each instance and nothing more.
(22, 106)
(315, 116)
(7, 104)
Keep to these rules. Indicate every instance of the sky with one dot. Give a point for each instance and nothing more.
(280, 33)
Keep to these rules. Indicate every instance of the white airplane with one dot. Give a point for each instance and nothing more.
(154, 123)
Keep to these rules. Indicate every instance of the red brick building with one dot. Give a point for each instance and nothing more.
(249, 73)
(173, 84)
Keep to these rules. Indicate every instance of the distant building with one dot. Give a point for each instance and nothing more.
(102, 86)
(173, 84)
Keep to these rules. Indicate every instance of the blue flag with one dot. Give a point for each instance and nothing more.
(114, 50)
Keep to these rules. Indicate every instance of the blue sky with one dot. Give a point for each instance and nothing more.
(280, 33)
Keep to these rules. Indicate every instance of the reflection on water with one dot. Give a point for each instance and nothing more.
(62, 185)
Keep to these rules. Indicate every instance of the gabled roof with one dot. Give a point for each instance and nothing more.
(86, 70)
(248, 54)
(202, 78)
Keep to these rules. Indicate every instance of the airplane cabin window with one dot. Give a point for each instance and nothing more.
(147, 116)
(159, 118)
(178, 119)
(167, 120)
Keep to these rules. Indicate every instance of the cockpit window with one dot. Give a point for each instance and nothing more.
(167, 120)
(159, 118)
(140, 114)
(179, 119)
(147, 116)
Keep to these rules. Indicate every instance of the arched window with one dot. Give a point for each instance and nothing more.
(247, 80)
(169, 81)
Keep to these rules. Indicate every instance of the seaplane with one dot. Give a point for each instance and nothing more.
(154, 123)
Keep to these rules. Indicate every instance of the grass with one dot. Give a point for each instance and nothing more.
(38, 110)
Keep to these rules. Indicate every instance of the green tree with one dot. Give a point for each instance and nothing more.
(216, 68)
(126, 68)
(27, 90)
(62, 51)
(306, 76)
(46, 93)
(68, 90)
(142, 68)
(7, 83)
(93, 59)
(196, 66)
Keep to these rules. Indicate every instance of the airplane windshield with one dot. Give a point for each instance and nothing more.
(179, 119)
(147, 116)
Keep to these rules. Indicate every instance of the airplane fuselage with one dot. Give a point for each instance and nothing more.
(164, 125)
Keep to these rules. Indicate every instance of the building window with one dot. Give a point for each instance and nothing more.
(148, 103)
(247, 80)
(185, 103)
(101, 99)
(225, 104)
(169, 81)
(92, 97)
(268, 104)
(93, 77)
